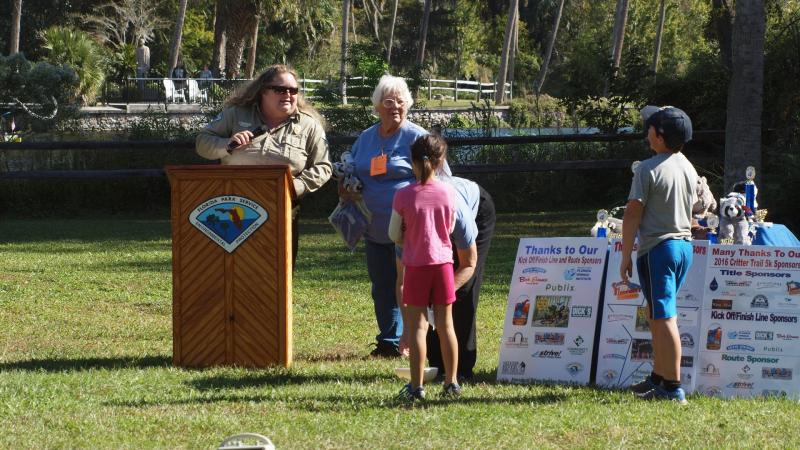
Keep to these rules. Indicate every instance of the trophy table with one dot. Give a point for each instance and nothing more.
(231, 265)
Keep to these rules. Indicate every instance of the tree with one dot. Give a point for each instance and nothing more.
(549, 53)
(175, 47)
(76, 49)
(343, 66)
(124, 22)
(220, 23)
(662, 14)
(508, 38)
(16, 18)
(241, 15)
(620, 22)
(251, 55)
(423, 33)
(745, 91)
(391, 33)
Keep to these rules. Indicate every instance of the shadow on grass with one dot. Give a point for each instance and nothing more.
(80, 364)
(281, 378)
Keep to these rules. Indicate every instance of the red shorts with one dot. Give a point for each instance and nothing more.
(428, 285)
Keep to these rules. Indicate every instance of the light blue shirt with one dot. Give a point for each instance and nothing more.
(468, 197)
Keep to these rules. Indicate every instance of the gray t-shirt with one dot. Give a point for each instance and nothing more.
(665, 184)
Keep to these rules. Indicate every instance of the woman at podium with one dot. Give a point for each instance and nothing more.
(267, 121)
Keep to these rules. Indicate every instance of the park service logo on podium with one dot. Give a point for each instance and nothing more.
(228, 220)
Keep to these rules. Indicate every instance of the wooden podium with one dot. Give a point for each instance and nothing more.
(231, 265)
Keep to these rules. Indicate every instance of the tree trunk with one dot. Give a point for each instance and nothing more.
(251, 55)
(662, 14)
(722, 19)
(391, 34)
(550, 45)
(16, 18)
(512, 56)
(175, 46)
(220, 23)
(242, 14)
(343, 67)
(423, 33)
(620, 21)
(745, 92)
(513, 10)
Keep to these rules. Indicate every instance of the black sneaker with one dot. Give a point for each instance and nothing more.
(643, 386)
(452, 390)
(385, 350)
(411, 395)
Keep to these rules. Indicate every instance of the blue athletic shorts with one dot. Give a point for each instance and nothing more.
(662, 271)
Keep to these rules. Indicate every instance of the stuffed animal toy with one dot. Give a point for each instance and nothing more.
(344, 170)
(733, 219)
(706, 203)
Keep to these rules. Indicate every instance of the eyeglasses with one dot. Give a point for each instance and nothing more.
(282, 90)
(392, 103)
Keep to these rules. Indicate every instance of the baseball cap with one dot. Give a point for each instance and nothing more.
(670, 122)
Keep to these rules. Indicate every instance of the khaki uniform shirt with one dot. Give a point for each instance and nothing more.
(299, 143)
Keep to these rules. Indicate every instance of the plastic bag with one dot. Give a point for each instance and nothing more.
(350, 219)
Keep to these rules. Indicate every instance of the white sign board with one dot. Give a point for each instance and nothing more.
(624, 354)
(552, 310)
(751, 322)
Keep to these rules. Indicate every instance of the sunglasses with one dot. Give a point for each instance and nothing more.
(283, 90)
(391, 103)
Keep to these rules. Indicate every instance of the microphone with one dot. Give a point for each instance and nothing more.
(257, 131)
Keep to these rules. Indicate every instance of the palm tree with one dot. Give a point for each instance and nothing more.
(343, 66)
(251, 55)
(620, 21)
(16, 17)
(745, 91)
(220, 23)
(549, 53)
(513, 13)
(423, 33)
(76, 49)
(175, 45)
(242, 14)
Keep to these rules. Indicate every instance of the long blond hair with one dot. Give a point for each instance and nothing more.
(249, 94)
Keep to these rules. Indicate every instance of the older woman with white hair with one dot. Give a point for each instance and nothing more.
(382, 156)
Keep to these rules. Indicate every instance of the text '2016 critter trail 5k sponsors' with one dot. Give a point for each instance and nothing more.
(552, 309)
(625, 349)
(750, 323)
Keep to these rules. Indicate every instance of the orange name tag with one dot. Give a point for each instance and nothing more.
(377, 165)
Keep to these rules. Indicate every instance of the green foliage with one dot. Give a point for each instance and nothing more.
(77, 49)
(519, 116)
(197, 40)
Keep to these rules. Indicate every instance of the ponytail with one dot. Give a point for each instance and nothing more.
(427, 154)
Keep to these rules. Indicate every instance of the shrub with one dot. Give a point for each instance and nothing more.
(76, 49)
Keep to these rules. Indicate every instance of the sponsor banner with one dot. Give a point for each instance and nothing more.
(625, 348)
(552, 310)
(750, 344)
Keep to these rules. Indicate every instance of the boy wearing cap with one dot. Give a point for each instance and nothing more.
(660, 209)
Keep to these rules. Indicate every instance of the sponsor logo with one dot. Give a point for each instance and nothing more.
(787, 336)
(619, 317)
(713, 286)
(711, 391)
(772, 349)
(773, 393)
(513, 368)
(551, 311)
(685, 318)
(578, 349)
(517, 340)
(714, 337)
(617, 340)
(776, 373)
(641, 350)
(740, 348)
(521, 310)
(768, 285)
(763, 335)
(547, 354)
(687, 361)
(548, 338)
(532, 280)
(687, 340)
(709, 370)
(719, 303)
(610, 375)
(743, 335)
(745, 373)
(641, 319)
(228, 220)
(578, 274)
(534, 270)
(736, 283)
(686, 377)
(793, 287)
(740, 385)
(788, 302)
(574, 368)
(581, 311)
(759, 301)
(626, 290)
(613, 356)
(689, 298)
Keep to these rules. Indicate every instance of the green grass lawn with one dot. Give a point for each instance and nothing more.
(86, 351)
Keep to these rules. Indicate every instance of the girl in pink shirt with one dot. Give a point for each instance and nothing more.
(423, 216)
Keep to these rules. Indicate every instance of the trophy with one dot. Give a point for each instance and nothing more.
(713, 222)
(750, 188)
(602, 218)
